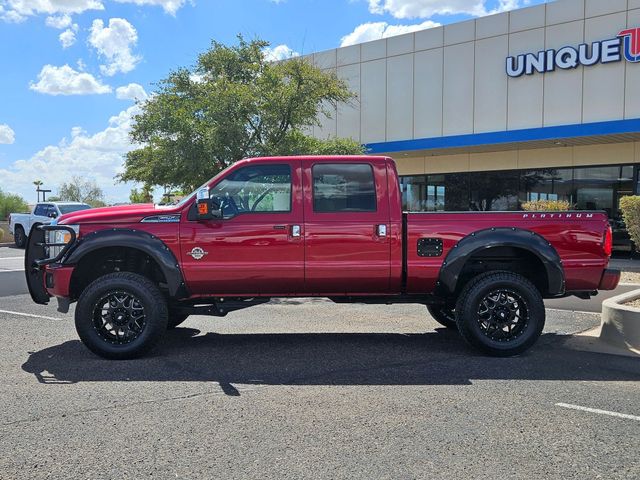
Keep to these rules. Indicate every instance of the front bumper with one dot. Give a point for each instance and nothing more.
(610, 279)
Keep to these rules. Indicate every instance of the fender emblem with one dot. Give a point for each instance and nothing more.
(197, 253)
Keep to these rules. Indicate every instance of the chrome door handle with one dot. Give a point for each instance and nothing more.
(295, 230)
(381, 230)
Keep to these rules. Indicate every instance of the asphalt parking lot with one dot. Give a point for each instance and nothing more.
(309, 389)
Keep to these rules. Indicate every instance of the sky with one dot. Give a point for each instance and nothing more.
(71, 71)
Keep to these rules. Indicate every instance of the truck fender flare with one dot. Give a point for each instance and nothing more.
(502, 237)
(139, 240)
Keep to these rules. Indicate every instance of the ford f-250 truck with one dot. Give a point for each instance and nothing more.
(312, 226)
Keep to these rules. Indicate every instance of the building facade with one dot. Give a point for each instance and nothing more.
(536, 103)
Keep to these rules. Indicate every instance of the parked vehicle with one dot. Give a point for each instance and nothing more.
(313, 226)
(20, 224)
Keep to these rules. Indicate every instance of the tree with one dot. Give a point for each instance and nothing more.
(11, 204)
(233, 104)
(79, 190)
(145, 195)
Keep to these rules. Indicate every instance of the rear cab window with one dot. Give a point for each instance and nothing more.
(343, 187)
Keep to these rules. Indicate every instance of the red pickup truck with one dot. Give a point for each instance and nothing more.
(312, 226)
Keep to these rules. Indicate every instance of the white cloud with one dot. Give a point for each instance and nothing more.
(68, 37)
(133, 91)
(7, 135)
(281, 52)
(65, 80)
(169, 6)
(428, 8)
(60, 22)
(376, 30)
(18, 10)
(114, 43)
(98, 156)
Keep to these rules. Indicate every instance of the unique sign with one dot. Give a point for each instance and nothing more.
(626, 45)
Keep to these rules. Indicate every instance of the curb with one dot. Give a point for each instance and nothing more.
(621, 323)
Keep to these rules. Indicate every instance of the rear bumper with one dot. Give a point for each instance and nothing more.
(610, 279)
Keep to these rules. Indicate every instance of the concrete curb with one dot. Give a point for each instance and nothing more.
(619, 332)
(620, 322)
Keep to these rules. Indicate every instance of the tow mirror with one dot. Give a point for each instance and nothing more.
(208, 208)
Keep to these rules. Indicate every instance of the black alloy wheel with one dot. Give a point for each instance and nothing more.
(121, 316)
(500, 313)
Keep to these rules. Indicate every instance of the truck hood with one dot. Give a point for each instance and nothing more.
(119, 214)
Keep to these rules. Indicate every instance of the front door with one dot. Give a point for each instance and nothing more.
(346, 227)
(257, 247)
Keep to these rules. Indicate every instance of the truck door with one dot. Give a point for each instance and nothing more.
(346, 209)
(257, 246)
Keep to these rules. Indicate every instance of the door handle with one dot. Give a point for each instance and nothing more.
(381, 230)
(295, 231)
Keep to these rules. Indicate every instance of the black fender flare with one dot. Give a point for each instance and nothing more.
(139, 240)
(502, 237)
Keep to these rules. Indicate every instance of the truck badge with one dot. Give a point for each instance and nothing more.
(197, 253)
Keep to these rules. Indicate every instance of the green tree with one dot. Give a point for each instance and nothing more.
(144, 195)
(233, 104)
(79, 190)
(10, 203)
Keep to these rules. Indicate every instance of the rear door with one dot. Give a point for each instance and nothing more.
(346, 211)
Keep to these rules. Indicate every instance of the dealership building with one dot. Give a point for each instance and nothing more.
(537, 103)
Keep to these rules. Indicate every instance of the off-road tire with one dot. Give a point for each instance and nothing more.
(472, 304)
(444, 315)
(175, 319)
(147, 295)
(19, 237)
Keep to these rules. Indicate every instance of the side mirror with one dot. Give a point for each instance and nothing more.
(208, 208)
(52, 215)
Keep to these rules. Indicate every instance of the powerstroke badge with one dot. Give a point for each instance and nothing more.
(197, 253)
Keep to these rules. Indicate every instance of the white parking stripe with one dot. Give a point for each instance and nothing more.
(16, 270)
(598, 411)
(10, 258)
(29, 315)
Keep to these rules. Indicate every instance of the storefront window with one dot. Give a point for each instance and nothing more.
(494, 191)
(547, 184)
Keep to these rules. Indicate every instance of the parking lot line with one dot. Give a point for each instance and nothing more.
(10, 258)
(29, 315)
(13, 270)
(598, 411)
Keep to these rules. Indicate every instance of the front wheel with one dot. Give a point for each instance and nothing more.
(500, 313)
(19, 237)
(444, 315)
(121, 316)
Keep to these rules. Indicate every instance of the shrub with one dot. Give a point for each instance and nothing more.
(1, 234)
(546, 206)
(630, 207)
(11, 204)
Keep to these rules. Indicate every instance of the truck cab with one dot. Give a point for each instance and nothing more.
(313, 226)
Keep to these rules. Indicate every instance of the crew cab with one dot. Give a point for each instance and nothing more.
(20, 224)
(312, 226)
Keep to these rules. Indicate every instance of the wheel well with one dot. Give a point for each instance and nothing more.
(511, 259)
(103, 261)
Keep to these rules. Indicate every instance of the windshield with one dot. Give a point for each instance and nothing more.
(189, 197)
(73, 208)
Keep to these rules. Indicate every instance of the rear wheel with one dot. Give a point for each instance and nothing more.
(121, 316)
(444, 315)
(500, 313)
(19, 237)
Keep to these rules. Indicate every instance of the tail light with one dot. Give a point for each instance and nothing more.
(608, 241)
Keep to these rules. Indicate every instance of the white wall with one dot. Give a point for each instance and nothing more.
(451, 80)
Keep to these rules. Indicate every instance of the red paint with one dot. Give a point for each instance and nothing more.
(340, 253)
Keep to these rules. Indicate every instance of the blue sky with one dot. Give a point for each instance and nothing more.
(65, 63)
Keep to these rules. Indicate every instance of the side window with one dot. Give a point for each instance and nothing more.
(254, 189)
(41, 210)
(345, 187)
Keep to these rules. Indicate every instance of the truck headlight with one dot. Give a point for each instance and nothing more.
(60, 236)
